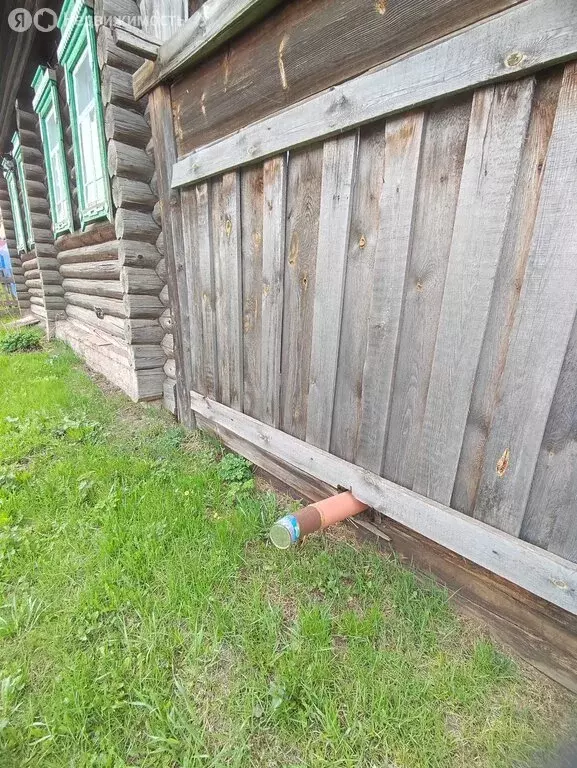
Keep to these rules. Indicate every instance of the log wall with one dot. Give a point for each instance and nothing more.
(113, 291)
(151, 12)
(106, 284)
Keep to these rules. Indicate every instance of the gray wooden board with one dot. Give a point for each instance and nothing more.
(302, 225)
(226, 238)
(439, 180)
(209, 371)
(550, 520)
(364, 229)
(508, 280)
(339, 165)
(522, 39)
(497, 131)
(273, 238)
(541, 573)
(193, 285)
(541, 330)
(165, 153)
(403, 140)
(252, 254)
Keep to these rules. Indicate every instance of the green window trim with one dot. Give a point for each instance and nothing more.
(76, 23)
(46, 105)
(19, 234)
(17, 155)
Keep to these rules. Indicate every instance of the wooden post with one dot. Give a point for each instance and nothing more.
(165, 156)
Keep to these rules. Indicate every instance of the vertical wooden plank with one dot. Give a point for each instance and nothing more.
(564, 537)
(550, 520)
(302, 223)
(365, 225)
(228, 286)
(339, 160)
(165, 157)
(497, 131)
(252, 250)
(509, 278)
(191, 234)
(403, 140)
(541, 330)
(274, 224)
(209, 374)
(442, 158)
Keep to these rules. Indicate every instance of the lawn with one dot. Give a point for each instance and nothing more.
(146, 621)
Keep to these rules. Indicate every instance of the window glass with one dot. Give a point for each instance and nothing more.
(83, 84)
(46, 105)
(55, 153)
(17, 153)
(93, 172)
(77, 54)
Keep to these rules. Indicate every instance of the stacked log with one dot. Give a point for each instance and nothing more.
(131, 168)
(39, 266)
(90, 273)
(151, 11)
(17, 269)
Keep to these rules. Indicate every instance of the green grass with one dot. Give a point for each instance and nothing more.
(145, 620)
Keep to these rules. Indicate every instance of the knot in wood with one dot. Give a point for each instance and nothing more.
(514, 59)
(503, 463)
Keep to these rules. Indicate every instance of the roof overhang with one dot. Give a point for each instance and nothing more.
(21, 52)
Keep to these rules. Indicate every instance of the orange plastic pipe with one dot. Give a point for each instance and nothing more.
(291, 528)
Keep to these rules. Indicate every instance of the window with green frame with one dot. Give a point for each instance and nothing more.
(10, 177)
(47, 108)
(17, 155)
(77, 54)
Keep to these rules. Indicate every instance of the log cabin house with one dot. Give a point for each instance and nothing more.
(340, 234)
(78, 193)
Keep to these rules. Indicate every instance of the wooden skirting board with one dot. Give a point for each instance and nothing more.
(543, 574)
(541, 633)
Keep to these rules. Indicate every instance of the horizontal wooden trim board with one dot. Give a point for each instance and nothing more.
(535, 570)
(212, 25)
(513, 43)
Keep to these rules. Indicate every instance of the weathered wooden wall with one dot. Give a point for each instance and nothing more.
(303, 47)
(399, 295)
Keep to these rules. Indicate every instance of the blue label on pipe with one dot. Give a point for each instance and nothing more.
(292, 525)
